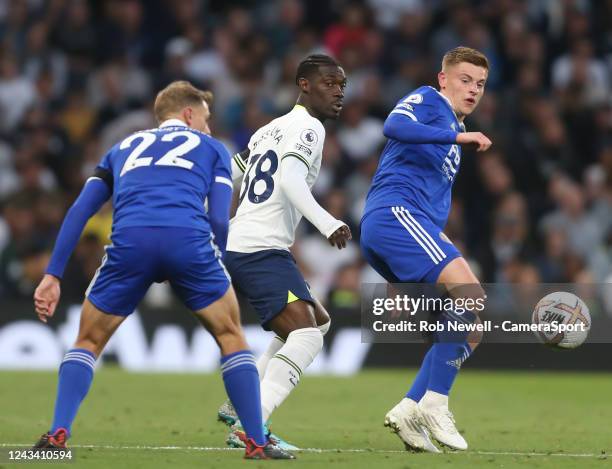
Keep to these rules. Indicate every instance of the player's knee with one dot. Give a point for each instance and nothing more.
(227, 328)
(472, 297)
(92, 340)
(296, 315)
(321, 317)
(324, 327)
(86, 343)
(309, 338)
(475, 336)
(230, 337)
(228, 304)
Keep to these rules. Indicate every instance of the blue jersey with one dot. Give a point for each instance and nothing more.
(161, 177)
(419, 175)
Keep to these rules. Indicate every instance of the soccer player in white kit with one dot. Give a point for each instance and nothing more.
(278, 169)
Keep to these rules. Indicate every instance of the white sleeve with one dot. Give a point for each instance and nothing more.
(237, 171)
(304, 142)
(293, 183)
(239, 162)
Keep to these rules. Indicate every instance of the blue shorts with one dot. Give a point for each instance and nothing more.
(404, 245)
(140, 256)
(269, 279)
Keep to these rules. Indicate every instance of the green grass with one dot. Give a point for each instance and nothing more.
(498, 412)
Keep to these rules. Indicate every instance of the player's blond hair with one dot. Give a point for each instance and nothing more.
(464, 54)
(177, 96)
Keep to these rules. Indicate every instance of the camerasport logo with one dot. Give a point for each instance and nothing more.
(309, 137)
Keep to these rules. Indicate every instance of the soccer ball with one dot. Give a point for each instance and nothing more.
(561, 320)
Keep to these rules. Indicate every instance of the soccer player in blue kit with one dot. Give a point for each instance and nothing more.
(402, 232)
(159, 180)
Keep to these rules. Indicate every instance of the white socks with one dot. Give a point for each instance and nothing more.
(325, 327)
(275, 344)
(286, 366)
(434, 399)
(262, 362)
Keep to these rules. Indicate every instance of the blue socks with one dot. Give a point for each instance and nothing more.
(239, 375)
(419, 385)
(444, 358)
(75, 376)
(449, 352)
(242, 386)
(445, 364)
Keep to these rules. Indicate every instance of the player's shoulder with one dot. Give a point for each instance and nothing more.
(423, 95)
(211, 141)
(303, 118)
(306, 128)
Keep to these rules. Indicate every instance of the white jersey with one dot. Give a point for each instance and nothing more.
(265, 218)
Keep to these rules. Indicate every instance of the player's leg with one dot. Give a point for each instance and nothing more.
(77, 370)
(296, 353)
(279, 294)
(262, 362)
(297, 325)
(401, 252)
(222, 320)
(123, 278)
(321, 317)
(277, 291)
(226, 412)
(449, 352)
(323, 323)
(200, 279)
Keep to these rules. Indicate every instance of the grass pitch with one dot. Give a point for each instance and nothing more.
(539, 420)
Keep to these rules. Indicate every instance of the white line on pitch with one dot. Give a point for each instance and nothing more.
(322, 450)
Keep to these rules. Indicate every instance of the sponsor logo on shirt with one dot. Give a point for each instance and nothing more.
(303, 148)
(406, 106)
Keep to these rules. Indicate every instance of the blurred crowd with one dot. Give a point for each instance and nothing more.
(76, 76)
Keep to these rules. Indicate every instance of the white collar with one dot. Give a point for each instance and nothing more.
(173, 123)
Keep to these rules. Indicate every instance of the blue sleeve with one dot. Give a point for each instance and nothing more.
(409, 119)
(223, 164)
(407, 130)
(92, 197)
(105, 163)
(219, 202)
(220, 196)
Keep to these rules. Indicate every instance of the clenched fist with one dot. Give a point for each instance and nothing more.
(340, 237)
(477, 138)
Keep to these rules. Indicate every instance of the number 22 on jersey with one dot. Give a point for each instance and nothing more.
(171, 158)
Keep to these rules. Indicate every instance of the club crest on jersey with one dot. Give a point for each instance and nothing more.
(309, 137)
(414, 98)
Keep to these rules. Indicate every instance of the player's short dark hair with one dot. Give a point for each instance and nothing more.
(465, 54)
(177, 96)
(311, 64)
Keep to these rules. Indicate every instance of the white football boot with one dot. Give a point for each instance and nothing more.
(440, 422)
(403, 420)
